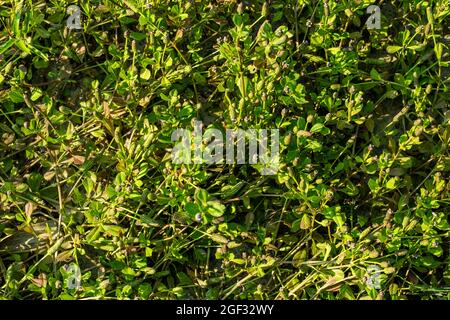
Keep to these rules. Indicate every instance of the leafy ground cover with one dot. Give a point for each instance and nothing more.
(91, 205)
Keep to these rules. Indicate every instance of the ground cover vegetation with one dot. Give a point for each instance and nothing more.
(92, 206)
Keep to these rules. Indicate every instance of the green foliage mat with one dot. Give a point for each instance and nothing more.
(91, 205)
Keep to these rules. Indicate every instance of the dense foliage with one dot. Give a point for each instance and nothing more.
(86, 177)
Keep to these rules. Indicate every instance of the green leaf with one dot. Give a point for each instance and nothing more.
(7, 45)
(393, 49)
(314, 145)
(20, 242)
(138, 36)
(201, 196)
(237, 19)
(113, 230)
(120, 179)
(215, 208)
(438, 49)
(391, 183)
(351, 189)
(16, 96)
(145, 74)
(375, 75)
(317, 127)
(316, 39)
(373, 184)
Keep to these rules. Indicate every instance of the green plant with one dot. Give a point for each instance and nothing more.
(86, 177)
